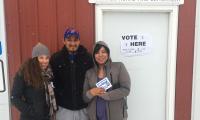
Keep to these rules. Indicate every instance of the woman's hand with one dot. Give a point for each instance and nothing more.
(97, 91)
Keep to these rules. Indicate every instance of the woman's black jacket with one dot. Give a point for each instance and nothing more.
(31, 102)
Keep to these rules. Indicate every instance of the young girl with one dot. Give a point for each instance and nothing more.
(108, 100)
(32, 92)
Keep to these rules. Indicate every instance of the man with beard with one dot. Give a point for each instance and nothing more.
(69, 66)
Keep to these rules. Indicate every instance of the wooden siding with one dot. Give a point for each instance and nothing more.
(185, 55)
(32, 21)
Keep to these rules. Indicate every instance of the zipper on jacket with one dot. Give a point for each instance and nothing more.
(73, 81)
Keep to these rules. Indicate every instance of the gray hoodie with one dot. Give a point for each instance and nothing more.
(116, 98)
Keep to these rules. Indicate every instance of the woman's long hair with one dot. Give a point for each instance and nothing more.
(32, 73)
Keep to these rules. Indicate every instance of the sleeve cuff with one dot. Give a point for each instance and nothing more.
(90, 96)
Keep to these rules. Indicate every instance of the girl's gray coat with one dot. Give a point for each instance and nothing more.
(119, 77)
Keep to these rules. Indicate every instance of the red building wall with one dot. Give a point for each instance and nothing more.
(30, 21)
(186, 33)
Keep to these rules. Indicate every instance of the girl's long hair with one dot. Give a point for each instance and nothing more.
(32, 73)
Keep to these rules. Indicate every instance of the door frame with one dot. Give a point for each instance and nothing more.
(196, 69)
(171, 49)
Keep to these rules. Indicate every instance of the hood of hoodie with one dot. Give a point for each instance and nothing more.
(108, 62)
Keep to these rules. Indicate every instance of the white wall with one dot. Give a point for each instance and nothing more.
(4, 92)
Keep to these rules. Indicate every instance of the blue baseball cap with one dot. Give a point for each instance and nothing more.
(71, 32)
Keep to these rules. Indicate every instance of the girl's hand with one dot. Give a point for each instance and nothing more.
(97, 91)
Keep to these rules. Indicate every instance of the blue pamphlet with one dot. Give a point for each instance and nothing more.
(104, 83)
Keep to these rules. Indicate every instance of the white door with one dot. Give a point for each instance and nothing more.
(151, 65)
(4, 97)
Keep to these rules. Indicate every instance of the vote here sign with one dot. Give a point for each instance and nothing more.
(135, 44)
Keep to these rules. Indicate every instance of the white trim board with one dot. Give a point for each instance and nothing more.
(139, 2)
(196, 69)
(172, 43)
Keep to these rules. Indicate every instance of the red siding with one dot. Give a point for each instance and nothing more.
(185, 60)
(47, 23)
(65, 17)
(13, 35)
(84, 15)
(31, 21)
(28, 21)
(13, 41)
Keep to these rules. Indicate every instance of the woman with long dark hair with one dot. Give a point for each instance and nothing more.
(106, 86)
(32, 92)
